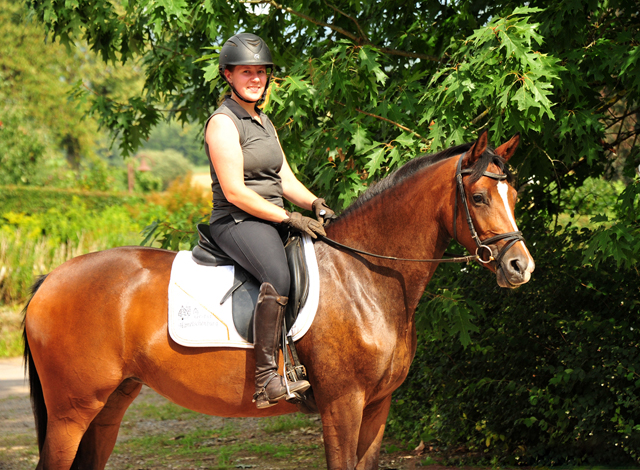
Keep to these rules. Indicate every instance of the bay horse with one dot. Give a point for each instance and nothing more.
(95, 328)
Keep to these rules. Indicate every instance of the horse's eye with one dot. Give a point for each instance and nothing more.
(478, 199)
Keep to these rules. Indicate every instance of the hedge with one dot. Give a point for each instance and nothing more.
(32, 200)
(552, 375)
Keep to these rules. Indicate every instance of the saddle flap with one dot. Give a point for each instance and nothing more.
(299, 288)
(245, 290)
(244, 298)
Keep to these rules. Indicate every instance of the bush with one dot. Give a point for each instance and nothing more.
(42, 228)
(35, 243)
(166, 164)
(175, 214)
(21, 148)
(553, 374)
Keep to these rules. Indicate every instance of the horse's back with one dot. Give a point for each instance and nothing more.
(91, 284)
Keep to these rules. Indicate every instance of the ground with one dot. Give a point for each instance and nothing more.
(157, 434)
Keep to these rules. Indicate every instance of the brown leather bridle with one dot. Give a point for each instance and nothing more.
(514, 237)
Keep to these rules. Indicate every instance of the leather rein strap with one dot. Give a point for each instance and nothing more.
(513, 236)
(459, 259)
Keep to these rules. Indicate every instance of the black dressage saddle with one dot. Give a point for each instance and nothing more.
(245, 289)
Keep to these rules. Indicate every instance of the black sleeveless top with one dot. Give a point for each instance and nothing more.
(263, 160)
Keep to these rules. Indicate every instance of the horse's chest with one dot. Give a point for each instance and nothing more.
(386, 355)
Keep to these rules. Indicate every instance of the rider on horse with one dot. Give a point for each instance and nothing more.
(250, 176)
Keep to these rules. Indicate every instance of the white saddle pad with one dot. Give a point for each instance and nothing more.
(196, 317)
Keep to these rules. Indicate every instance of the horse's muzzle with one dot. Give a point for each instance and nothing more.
(515, 269)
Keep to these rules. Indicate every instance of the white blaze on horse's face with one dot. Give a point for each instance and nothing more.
(503, 190)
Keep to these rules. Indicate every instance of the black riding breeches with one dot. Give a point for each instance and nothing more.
(257, 246)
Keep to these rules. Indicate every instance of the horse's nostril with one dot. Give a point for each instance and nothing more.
(516, 266)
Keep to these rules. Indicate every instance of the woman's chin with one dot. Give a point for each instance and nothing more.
(252, 96)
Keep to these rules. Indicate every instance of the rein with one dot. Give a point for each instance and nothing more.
(481, 244)
(458, 259)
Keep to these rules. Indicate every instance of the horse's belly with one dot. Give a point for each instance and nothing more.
(214, 381)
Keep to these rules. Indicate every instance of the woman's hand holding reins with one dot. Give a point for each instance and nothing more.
(323, 213)
(299, 222)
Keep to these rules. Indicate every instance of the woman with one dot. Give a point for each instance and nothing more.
(250, 176)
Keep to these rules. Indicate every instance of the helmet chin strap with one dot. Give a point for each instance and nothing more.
(240, 96)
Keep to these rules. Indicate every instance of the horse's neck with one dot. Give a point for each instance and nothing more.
(405, 221)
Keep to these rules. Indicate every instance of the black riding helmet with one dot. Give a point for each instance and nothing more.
(245, 49)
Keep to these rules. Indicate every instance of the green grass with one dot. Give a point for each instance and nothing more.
(10, 331)
(11, 344)
(287, 423)
(219, 448)
(164, 412)
(17, 440)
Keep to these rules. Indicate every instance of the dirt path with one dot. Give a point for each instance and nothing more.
(156, 434)
(12, 382)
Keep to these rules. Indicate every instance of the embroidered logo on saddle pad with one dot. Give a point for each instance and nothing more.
(198, 319)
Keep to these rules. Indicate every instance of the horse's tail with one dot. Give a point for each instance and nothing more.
(37, 397)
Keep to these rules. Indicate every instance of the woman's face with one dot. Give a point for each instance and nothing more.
(248, 80)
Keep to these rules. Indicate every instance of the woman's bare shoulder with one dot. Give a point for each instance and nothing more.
(221, 125)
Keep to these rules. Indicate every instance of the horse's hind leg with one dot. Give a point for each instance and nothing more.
(100, 438)
(68, 419)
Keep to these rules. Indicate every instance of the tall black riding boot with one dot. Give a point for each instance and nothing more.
(267, 333)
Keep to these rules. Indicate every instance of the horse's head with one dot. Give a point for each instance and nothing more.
(490, 201)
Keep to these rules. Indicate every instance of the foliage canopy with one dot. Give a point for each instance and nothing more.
(364, 86)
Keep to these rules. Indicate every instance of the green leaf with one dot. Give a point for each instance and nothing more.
(375, 159)
(359, 139)
(405, 139)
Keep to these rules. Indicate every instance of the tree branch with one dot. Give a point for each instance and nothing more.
(480, 116)
(344, 32)
(389, 121)
(364, 36)
(619, 119)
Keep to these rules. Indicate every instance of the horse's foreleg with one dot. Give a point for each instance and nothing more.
(371, 432)
(341, 421)
(99, 440)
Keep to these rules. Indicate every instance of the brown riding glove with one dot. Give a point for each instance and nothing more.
(323, 213)
(304, 224)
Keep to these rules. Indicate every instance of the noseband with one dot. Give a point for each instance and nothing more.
(514, 237)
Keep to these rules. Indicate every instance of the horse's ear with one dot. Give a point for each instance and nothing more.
(507, 149)
(476, 150)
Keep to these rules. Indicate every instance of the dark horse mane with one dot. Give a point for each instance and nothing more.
(423, 161)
